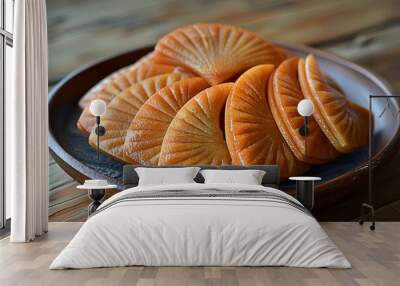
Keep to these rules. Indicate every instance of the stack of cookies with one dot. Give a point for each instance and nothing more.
(212, 94)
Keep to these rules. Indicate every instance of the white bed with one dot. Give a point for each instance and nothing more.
(224, 225)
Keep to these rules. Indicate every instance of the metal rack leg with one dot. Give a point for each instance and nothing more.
(372, 211)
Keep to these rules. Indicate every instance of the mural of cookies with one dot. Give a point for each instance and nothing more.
(216, 94)
(343, 122)
(195, 136)
(161, 110)
(123, 108)
(146, 132)
(253, 136)
(216, 52)
(111, 86)
(313, 57)
(283, 96)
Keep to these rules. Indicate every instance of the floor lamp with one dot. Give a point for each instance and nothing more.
(370, 205)
(305, 108)
(98, 107)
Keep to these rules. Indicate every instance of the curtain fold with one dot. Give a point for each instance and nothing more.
(27, 124)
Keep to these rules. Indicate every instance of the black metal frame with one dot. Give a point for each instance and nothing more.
(100, 131)
(370, 205)
(96, 195)
(305, 193)
(304, 132)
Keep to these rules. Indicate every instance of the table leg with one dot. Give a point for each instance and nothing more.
(96, 196)
(305, 193)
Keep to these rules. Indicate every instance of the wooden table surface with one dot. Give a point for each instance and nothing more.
(366, 32)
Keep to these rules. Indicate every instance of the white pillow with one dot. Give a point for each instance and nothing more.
(165, 176)
(248, 177)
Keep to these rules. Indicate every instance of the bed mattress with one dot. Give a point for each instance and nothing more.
(201, 225)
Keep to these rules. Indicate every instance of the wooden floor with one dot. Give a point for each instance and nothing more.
(375, 257)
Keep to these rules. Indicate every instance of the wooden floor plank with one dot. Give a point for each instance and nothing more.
(375, 257)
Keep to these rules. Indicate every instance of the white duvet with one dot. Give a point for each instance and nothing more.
(192, 231)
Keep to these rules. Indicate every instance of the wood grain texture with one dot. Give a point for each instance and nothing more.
(375, 257)
(108, 27)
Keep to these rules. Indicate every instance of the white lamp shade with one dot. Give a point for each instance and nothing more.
(305, 107)
(98, 107)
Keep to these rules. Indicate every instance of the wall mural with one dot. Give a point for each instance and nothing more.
(213, 94)
(166, 109)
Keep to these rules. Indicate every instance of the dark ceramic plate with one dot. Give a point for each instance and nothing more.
(72, 151)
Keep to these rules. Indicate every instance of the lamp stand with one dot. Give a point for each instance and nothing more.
(370, 205)
(372, 210)
(100, 131)
(304, 132)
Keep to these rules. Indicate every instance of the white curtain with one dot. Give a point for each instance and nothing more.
(27, 124)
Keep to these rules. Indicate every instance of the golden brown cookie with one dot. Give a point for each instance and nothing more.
(123, 108)
(195, 136)
(131, 73)
(343, 122)
(91, 94)
(216, 52)
(252, 135)
(146, 132)
(109, 88)
(284, 96)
